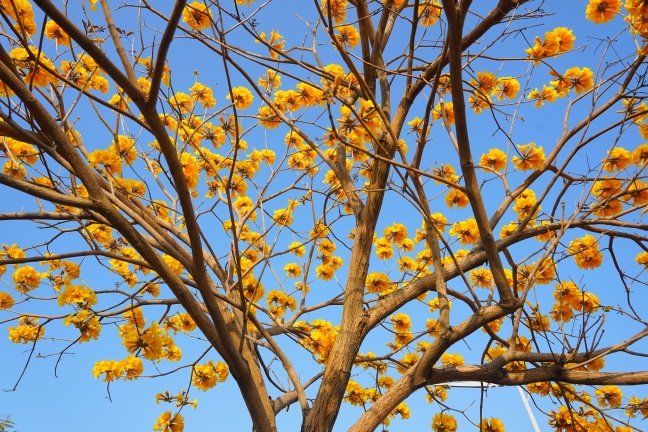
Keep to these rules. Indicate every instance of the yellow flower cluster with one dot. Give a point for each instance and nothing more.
(379, 283)
(485, 85)
(336, 9)
(570, 297)
(179, 322)
(26, 279)
(169, 422)
(25, 153)
(555, 43)
(602, 11)
(466, 231)
(529, 157)
(494, 160)
(87, 323)
(20, 11)
(429, 13)
(585, 251)
(6, 300)
(129, 369)
(525, 203)
(278, 302)
(320, 340)
(78, 295)
(491, 425)
(451, 359)
(27, 330)
(197, 15)
(207, 375)
(152, 343)
(443, 422)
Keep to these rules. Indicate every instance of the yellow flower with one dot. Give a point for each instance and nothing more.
(467, 231)
(479, 101)
(453, 359)
(6, 300)
(275, 43)
(443, 422)
(618, 159)
(325, 272)
(455, 197)
(336, 9)
(149, 341)
(181, 102)
(402, 322)
(495, 159)
(548, 94)
(292, 270)
(585, 252)
(408, 360)
(242, 97)
(481, 278)
(484, 83)
(271, 80)
(202, 94)
(574, 78)
(109, 160)
(640, 155)
(112, 368)
(602, 11)
(26, 279)
(506, 87)
(168, 423)
(54, 31)
(132, 367)
(445, 112)
(197, 15)
(377, 283)
(609, 396)
(642, 259)
(492, 425)
(429, 13)
(87, 323)
(396, 233)
(297, 248)
(530, 157)
(355, 394)
(348, 36)
(207, 375)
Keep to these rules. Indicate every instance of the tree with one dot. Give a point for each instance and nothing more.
(451, 174)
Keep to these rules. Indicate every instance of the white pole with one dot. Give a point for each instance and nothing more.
(525, 401)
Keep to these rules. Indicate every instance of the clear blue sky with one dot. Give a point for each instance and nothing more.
(61, 394)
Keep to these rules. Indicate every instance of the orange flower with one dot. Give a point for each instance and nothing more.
(506, 87)
(377, 283)
(531, 157)
(618, 159)
(484, 83)
(445, 112)
(54, 31)
(455, 197)
(602, 11)
(336, 9)
(197, 15)
(495, 159)
(275, 43)
(640, 155)
(586, 253)
(242, 97)
(467, 231)
(429, 13)
(348, 36)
